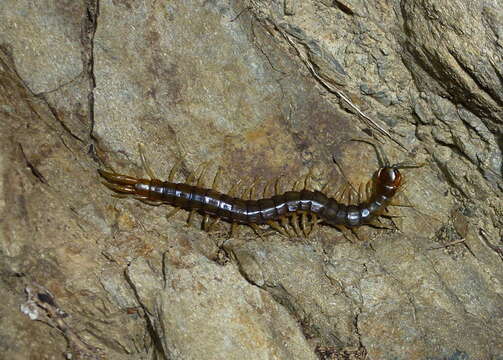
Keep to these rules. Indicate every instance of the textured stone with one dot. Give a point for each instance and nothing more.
(263, 89)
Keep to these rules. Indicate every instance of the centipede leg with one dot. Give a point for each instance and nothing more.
(277, 186)
(215, 179)
(257, 230)
(368, 189)
(304, 224)
(314, 223)
(200, 179)
(251, 190)
(234, 229)
(325, 187)
(146, 200)
(284, 224)
(350, 195)
(204, 224)
(346, 232)
(307, 180)
(144, 161)
(193, 175)
(213, 223)
(274, 225)
(357, 234)
(377, 222)
(340, 194)
(233, 189)
(361, 194)
(295, 223)
(189, 219)
(173, 212)
(297, 185)
(174, 169)
(266, 188)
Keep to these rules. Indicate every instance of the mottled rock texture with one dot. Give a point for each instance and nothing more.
(262, 89)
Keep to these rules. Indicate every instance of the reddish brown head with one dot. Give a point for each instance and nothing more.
(388, 181)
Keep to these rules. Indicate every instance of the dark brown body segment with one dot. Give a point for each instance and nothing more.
(260, 211)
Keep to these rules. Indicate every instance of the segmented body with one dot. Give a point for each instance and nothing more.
(268, 210)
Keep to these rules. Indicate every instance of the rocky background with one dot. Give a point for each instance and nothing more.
(262, 89)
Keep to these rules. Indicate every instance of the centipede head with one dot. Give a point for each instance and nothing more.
(387, 180)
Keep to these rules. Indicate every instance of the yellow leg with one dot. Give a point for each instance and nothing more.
(315, 222)
(189, 219)
(193, 175)
(339, 195)
(234, 229)
(268, 184)
(174, 169)
(368, 189)
(251, 190)
(274, 225)
(284, 224)
(173, 212)
(257, 230)
(346, 232)
(350, 195)
(204, 224)
(233, 190)
(307, 180)
(200, 179)
(295, 223)
(361, 194)
(215, 179)
(325, 187)
(146, 165)
(304, 224)
(147, 201)
(297, 185)
(277, 186)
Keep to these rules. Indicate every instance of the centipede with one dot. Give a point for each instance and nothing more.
(297, 210)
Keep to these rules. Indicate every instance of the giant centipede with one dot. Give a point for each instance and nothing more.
(278, 211)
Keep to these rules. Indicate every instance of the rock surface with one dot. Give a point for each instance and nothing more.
(262, 89)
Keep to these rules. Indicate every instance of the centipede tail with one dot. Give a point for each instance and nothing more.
(300, 210)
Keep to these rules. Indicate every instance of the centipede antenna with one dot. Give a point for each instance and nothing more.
(405, 165)
(381, 155)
